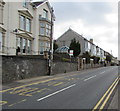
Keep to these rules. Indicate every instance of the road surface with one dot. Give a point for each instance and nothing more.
(88, 89)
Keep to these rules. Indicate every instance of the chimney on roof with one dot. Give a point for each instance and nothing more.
(91, 40)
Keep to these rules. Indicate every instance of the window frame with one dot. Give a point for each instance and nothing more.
(29, 24)
(2, 12)
(47, 30)
(1, 41)
(25, 23)
(25, 4)
(22, 49)
(45, 14)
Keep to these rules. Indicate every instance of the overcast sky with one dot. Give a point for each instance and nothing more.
(97, 20)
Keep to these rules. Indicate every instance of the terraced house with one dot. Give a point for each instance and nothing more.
(86, 45)
(25, 27)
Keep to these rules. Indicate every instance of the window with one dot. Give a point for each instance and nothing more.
(25, 4)
(22, 22)
(19, 41)
(42, 28)
(42, 31)
(23, 45)
(25, 23)
(1, 12)
(42, 49)
(45, 14)
(28, 25)
(45, 29)
(42, 44)
(48, 27)
(47, 46)
(1, 41)
(42, 24)
(29, 46)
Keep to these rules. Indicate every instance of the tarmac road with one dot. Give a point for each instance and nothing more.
(88, 89)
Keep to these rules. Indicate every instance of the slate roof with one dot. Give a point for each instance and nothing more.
(37, 3)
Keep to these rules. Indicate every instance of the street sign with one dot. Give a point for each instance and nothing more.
(71, 53)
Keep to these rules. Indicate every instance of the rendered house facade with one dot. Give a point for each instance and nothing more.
(66, 38)
(26, 27)
(86, 45)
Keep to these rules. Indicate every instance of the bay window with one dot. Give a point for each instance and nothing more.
(22, 22)
(1, 11)
(42, 47)
(19, 42)
(42, 28)
(25, 23)
(28, 25)
(45, 14)
(23, 46)
(45, 29)
(29, 46)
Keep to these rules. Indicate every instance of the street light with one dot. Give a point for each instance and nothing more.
(51, 44)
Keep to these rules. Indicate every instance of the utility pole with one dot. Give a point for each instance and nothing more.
(51, 43)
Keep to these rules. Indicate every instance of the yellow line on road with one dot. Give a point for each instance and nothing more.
(96, 106)
(58, 84)
(17, 103)
(26, 93)
(35, 83)
(3, 103)
(102, 106)
(29, 84)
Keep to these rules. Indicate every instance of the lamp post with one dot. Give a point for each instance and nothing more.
(51, 44)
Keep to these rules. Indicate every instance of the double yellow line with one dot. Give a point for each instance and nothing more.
(102, 102)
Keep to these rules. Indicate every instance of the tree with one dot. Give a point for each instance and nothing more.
(55, 46)
(75, 46)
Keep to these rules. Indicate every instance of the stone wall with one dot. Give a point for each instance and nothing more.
(21, 67)
(63, 67)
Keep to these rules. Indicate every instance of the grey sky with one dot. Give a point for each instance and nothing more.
(92, 11)
(97, 20)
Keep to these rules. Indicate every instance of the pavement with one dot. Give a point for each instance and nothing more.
(62, 91)
(114, 102)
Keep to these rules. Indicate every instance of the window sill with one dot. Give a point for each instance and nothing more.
(25, 31)
(44, 19)
(44, 36)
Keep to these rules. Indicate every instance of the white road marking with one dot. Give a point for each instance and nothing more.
(56, 92)
(102, 72)
(89, 78)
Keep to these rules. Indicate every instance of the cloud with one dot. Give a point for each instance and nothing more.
(93, 20)
(90, 12)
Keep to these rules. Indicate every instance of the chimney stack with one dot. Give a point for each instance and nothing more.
(91, 40)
